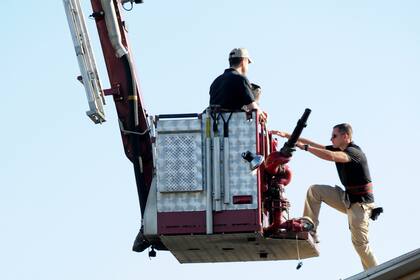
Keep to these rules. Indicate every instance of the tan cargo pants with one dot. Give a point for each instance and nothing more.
(358, 217)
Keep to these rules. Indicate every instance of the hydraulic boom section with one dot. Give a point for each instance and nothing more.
(124, 86)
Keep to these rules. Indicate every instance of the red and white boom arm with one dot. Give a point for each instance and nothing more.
(124, 86)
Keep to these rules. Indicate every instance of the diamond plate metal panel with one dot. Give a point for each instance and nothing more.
(177, 125)
(179, 160)
(179, 166)
(242, 137)
(181, 201)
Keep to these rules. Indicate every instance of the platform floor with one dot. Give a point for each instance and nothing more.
(239, 247)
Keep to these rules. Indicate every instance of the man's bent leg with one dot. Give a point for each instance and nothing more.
(358, 216)
(333, 196)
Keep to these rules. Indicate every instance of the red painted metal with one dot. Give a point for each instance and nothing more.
(237, 221)
(113, 91)
(181, 222)
(242, 199)
(194, 222)
(274, 162)
(286, 176)
(118, 80)
(263, 148)
(260, 178)
(276, 205)
(273, 142)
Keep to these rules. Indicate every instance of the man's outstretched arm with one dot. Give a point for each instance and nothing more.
(322, 153)
(302, 140)
(316, 149)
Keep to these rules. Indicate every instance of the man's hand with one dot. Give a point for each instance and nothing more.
(300, 145)
(280, 133)
(263, 115)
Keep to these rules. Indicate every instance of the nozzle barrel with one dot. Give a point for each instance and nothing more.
(301, 124)
(290, 144)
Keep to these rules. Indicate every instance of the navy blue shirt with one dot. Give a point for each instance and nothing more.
(355, 172)
(231, 90)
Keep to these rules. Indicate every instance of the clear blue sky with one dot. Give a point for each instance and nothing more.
(68, 203)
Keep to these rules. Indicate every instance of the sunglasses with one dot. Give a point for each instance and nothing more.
(336, 135)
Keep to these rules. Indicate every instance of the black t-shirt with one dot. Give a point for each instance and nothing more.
(354, 173)
(231, 90)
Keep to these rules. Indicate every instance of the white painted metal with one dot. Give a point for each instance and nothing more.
(151, 125)
(86, 60)
(150, 212)
(113, 28)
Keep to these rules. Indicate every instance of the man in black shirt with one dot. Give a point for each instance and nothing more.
(356, 200)
(232, 90)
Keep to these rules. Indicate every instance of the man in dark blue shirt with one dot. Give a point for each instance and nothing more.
(232, 90)
(356, 200)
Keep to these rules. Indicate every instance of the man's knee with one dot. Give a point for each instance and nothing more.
(314, 191)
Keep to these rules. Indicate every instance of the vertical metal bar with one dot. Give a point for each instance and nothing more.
(216, 173)
(226, 198)
(209, 200)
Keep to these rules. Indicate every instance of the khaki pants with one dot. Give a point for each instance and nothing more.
(358, 216)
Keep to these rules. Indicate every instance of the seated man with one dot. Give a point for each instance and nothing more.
(232, 90)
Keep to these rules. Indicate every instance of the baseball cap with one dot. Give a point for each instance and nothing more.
(239, 52)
